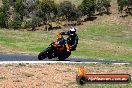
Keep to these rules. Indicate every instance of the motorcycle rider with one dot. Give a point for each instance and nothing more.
(61, 41)
(72, 39)
(61, 48)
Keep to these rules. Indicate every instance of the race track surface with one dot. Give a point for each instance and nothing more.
(21, 57)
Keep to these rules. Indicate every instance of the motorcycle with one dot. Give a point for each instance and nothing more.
(57, 49)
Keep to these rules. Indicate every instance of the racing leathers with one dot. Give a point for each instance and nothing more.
(72, 40)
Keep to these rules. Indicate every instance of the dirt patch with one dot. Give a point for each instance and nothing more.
(51, 75)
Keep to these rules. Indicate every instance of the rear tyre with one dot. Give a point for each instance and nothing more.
(62, 58)
(68, 54)
(41, 56)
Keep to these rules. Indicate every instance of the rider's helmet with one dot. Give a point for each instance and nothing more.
(72, 31)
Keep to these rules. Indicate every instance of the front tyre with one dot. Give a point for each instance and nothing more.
(41, 56)
(62, 57)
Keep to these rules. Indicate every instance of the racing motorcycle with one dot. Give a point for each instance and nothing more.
(58, 49)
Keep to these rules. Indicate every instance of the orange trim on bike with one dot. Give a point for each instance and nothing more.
(67, 46)
(59, 35)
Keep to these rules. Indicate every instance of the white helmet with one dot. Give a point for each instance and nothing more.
(72, 31)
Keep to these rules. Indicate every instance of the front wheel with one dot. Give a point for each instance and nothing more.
(41, 56)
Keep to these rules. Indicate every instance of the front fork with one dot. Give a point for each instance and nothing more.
(50, 47)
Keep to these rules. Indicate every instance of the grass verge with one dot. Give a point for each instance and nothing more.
(96, 40)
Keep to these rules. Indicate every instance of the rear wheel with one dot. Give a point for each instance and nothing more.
(61, 58)
(68, 54)
(64, 56)
(41, 56)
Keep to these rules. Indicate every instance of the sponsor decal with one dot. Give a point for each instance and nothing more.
(83, 78)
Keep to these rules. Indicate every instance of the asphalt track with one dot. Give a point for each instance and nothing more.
(33, 59)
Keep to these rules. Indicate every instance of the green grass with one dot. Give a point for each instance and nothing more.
(25, 41)
(95, 41)
(76, 2)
